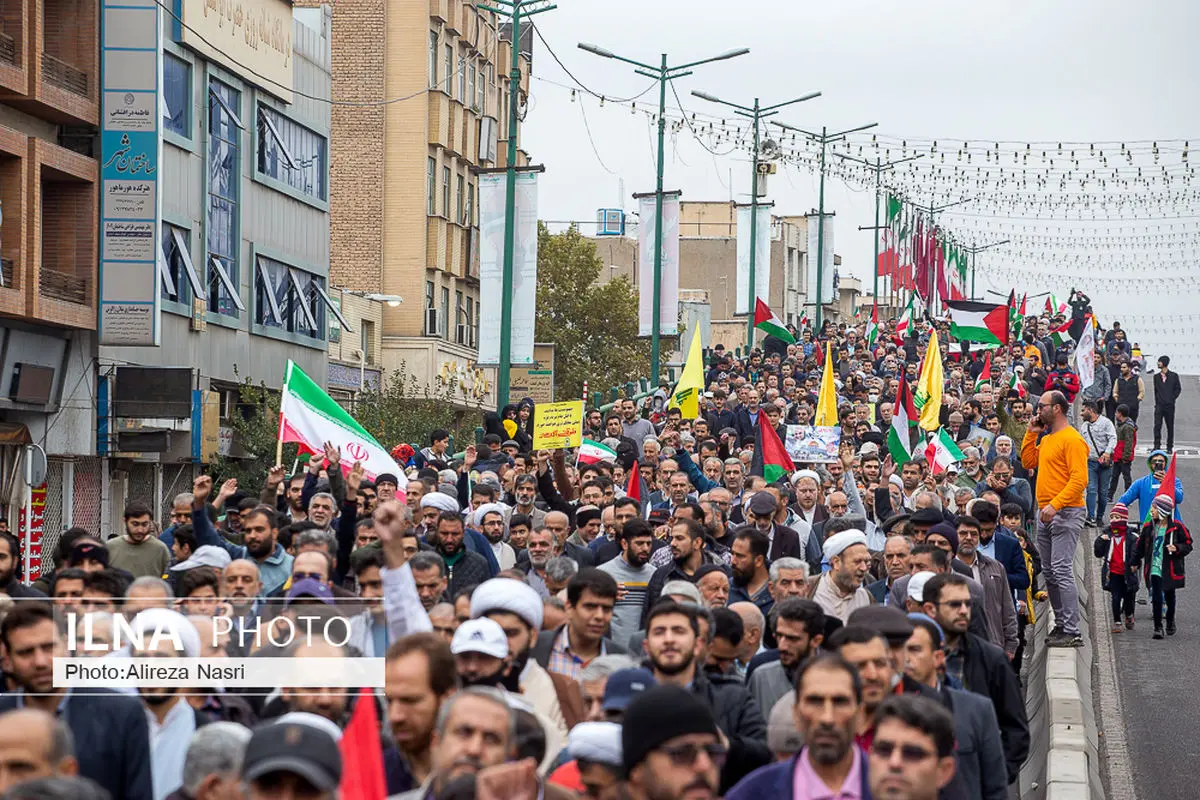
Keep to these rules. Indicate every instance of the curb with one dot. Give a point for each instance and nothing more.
(1064, 762)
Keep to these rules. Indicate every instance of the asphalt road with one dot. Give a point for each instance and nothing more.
(1160, 697)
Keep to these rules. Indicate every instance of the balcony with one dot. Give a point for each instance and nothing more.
(64, 76)
(63, 286)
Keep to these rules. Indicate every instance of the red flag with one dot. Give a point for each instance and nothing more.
(1167, 486)
(362, 753)
(633, 486)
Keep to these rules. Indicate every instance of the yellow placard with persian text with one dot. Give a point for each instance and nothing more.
(557, 425)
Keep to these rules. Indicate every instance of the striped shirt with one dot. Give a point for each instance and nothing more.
(627, 613)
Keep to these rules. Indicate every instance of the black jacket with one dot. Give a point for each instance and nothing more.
(742, 721)
(1166, 391)
(664, 575)
(19, 591)
(545, 642)
(112, 740)
(987, 672)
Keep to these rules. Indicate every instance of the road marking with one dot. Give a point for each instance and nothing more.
(1182, 452)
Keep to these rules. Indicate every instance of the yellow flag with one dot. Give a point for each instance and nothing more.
(686, 396)
(928, 397)
(827, 397)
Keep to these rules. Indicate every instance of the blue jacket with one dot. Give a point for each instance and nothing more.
(1009, 553)
(1142, 491)
(273, 571)
(112, 740)
(776, 781)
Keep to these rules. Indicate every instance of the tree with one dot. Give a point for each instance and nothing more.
(594, 325)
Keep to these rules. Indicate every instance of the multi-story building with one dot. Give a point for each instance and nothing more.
(430, 84)
(708, 260)
(49, 110)
(243, 276)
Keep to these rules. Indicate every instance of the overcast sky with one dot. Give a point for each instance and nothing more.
(1016, 70)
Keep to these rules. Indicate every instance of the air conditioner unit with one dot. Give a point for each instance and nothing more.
(610, 222)
(433, 322)
(460, 333)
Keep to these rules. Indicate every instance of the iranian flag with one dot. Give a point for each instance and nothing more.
(904, 416)
(1062, 334)
(985, 377)
(1015, 382)
(873, 327)
(941, 451)
(905, 323)
(766, 321)
(592, 452)
(978, 322)
(804, 319)
(1055, 307)
(310, 417)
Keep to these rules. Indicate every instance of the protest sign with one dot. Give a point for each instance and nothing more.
(557, 425)
(815, 444)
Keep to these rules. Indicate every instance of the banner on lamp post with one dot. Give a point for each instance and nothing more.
(828, 294)
(492, 192)
(762, 257)
(668, 299)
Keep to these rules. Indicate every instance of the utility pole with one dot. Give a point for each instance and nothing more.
(879, 167)
(516, 10)
(663, 74)
(931, 210)
(755, 114)
(824, 138)
(979, 248)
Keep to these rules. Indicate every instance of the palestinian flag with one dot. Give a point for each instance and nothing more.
(771, 459)
(899, 438)
(978, 322)
(985, 377)
(873, 327)
(1061, 335)
(766, 321)
(1018, 317)
(592, 452)
(941, 451)
(310, 417)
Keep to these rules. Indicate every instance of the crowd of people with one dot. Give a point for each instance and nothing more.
(662, 623)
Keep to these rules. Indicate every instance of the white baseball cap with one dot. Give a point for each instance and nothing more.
(481, 635)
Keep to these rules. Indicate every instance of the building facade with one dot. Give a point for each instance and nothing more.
(432, 81)
(243, 273)
(49, 110)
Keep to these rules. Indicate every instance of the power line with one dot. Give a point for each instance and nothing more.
(580, 83)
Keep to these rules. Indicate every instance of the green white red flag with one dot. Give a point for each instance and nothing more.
(873, 327)
(310, 417)
(985, 376)
(904, 416)
(941, 451)
(766, 321)
(592, 452)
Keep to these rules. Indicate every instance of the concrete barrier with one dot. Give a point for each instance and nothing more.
(1064, 761)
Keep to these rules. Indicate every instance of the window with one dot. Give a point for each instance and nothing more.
(449, 86)
(177, 275)
(177, 96)
(479, 91)
(292, 300)
(433, 59)
(469, 219)
(367, 340)
(470, 322)
(469, 97)
(460, 199)
(335, 327)
(445, 311)
(460, 324)
(224, 184)
(292, 154)
(463, 97)
(428, 295)
(446, 192)
(431, 169)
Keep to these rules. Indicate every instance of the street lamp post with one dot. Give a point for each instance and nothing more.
(756, 114)
(878, 167)
(979, 248)
(663, 74)
(824, 138)
(516, 10)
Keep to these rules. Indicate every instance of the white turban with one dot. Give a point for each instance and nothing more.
(506, 594)
(442, 502)
(805, 473)
(597, 742)
(486, 509)
(835, 544)
(163, 620)
(897, 480)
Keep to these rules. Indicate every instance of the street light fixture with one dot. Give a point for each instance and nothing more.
(756, 113)
(824, 138)
(663, 74)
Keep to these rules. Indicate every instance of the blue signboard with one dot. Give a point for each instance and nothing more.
(130, 155)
